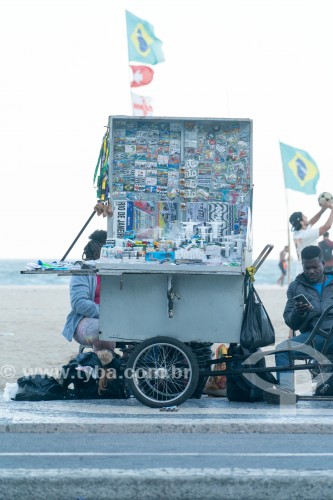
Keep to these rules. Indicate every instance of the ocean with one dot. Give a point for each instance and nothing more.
(10, 274)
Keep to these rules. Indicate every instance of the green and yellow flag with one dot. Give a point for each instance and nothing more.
(300, 170)
(143, 46)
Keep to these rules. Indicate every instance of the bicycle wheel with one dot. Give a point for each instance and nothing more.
(162, 371)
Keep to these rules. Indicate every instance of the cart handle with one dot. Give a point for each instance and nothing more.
(258, 262)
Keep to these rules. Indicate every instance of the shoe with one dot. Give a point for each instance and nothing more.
(277, 396)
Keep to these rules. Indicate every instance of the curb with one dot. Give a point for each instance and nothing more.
(151, 484)
(149, 427)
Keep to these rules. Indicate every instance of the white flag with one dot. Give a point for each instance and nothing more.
(141, 105)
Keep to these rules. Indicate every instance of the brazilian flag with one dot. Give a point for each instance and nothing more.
(300, 170)
(143, 46)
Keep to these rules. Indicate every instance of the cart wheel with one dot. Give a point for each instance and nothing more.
(162, 371)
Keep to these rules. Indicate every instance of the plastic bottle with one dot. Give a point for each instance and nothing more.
(104, 253)
(111, 252)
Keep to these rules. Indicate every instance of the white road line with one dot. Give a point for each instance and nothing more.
(159, 454)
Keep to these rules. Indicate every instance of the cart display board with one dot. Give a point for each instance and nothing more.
(181, 193)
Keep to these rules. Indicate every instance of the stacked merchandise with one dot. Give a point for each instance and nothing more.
(181, 183)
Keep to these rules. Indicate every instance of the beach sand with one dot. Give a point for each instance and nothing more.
(33, 318)
(30, 329)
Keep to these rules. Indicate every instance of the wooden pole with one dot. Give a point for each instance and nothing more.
(288, 233)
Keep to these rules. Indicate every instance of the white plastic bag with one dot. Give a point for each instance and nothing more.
(10, 391)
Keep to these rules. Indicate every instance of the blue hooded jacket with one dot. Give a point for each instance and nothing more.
(82, 295)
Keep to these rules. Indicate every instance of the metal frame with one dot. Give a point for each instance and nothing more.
(323, 362)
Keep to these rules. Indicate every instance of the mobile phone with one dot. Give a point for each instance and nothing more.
(301, 298)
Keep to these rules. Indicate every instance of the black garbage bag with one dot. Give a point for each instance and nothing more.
(79, 377)
(239, 388)
(257, 329)
(84, 377)
(38, 388)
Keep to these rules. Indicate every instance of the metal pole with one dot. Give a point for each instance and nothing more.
(78, 236)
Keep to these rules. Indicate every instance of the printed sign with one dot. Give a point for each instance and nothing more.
(122, 217)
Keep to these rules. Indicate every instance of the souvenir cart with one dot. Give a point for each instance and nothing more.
(179, 241)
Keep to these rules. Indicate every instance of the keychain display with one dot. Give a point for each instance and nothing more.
(166, 173)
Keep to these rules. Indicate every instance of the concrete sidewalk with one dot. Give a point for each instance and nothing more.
(204, 415)
(195, 416)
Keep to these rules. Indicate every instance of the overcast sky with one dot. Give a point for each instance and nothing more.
(64, 70)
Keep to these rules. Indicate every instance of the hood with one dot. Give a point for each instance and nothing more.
(301, 278)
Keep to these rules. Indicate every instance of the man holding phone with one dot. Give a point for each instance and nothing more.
(308, 296)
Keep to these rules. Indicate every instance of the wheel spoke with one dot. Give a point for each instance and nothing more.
(163, 376)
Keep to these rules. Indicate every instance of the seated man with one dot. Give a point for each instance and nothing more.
(299, 315)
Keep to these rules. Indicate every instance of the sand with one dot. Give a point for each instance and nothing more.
(30, 329)
(33, 318)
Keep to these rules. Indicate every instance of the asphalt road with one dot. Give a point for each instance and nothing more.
(141, 451)
(122, 450)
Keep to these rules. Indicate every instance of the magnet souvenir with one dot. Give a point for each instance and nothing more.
(232, 197)
(231, 178)
(172, 194)
(201, 193)
(214, 172)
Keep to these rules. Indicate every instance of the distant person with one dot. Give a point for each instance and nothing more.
(326, 247)
(82, 323)
(303, 232)
(283, 264)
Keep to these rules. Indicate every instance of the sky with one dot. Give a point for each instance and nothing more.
(64, 71)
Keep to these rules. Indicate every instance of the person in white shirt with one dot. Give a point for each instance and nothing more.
(303, 232)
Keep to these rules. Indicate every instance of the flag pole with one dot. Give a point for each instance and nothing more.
(296, 163)
(288, 233)
(287, 209)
